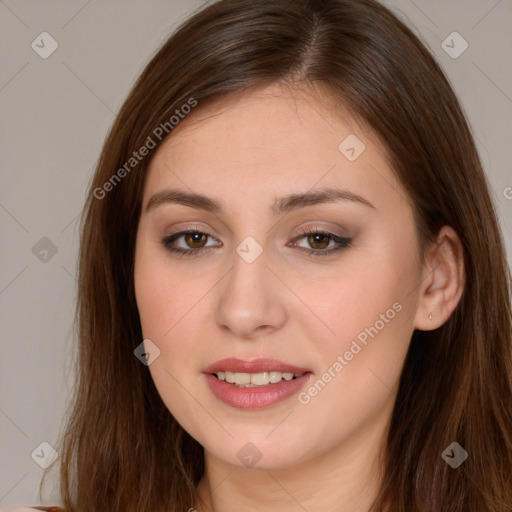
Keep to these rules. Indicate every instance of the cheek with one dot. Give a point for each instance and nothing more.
(172, 310)
(166, 309)
(361, 360)
(367, 314)
(355, 298)
(163, 294)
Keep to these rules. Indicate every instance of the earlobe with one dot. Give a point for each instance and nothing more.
(443, 279)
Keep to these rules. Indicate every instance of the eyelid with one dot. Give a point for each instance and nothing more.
(318, 228)
(187, 228)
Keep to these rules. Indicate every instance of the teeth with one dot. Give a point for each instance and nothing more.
(255, 379)
(274, 377)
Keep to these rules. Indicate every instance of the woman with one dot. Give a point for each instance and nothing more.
(293, 292)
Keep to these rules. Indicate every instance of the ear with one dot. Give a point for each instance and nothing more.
(442, 281)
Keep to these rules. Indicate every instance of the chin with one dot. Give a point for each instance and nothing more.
(264, 450)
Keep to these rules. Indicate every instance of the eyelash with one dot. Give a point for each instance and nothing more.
(342, 242)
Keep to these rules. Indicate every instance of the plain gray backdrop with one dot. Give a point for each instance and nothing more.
(55, 112)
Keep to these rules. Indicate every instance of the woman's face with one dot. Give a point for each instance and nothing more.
(257, 299)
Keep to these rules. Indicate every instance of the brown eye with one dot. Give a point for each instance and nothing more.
(188, 243)
(318, 240)
(195, 240)
(322, 243)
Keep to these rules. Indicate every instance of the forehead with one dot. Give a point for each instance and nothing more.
(272, 139)
(273, 119)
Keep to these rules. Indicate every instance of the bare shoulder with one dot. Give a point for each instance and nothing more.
(17, 509)
(33, 508)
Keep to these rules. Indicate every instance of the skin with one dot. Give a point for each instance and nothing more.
(302, 309)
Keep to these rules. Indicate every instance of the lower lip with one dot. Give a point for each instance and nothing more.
(257, 397)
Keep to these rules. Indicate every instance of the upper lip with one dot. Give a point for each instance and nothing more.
(255, 366)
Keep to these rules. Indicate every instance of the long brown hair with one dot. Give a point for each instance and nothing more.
(121, 449)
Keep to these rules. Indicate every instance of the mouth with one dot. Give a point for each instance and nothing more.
(255, 384)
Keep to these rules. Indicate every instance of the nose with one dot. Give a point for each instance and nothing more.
(250, 303)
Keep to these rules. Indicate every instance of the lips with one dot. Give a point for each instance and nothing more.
(255, 366)
(259, 396)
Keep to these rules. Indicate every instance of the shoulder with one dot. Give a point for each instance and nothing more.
(32, 509)
(17, 509)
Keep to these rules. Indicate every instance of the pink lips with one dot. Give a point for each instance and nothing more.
(256, 366)
(254, 397)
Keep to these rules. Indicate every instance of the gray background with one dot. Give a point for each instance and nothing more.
(55, 114)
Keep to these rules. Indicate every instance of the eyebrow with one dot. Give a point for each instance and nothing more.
(281, 205)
